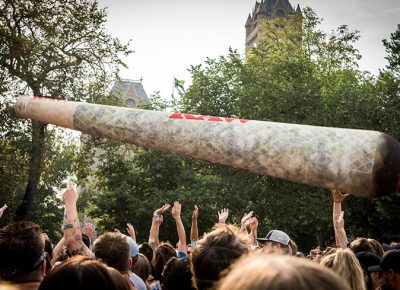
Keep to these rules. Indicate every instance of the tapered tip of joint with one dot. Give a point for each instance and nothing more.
(387, 167)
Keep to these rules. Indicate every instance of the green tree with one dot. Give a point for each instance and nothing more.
(59, 49)
(392, 47)
(295, 74)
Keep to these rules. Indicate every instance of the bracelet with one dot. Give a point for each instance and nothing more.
(156, 217)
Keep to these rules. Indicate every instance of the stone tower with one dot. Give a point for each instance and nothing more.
(264, 10)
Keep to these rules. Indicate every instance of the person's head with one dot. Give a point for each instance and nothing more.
(147, 250)
(389, 269)
(377, 247)
(121, 281)
(346, 265)
(142, 267)
(163, 253)
(177, 274)
(215, 253)
(113, 249)
(22, 246)
(391, 246)
(360, 245)
(368, 259)
(82, 273)
(279, 272)
(278, 242)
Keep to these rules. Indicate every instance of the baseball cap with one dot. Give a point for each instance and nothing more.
(133, 247)
(387, 247)
(390, 261)
(276, 236)
(368, 259)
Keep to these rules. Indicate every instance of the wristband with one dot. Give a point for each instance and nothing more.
(156, 217)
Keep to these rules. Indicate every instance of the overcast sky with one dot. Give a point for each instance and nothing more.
(168, 36)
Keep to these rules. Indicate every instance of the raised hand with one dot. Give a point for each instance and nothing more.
(131, 231)
(70, 194)
(253, 224)
(195, 214)
(338, 196)
(89, 229)
(176, 210)
(162, 209)
(223, 215)
(245, 222)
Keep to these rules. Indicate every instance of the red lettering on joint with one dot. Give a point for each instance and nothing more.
(204, 118)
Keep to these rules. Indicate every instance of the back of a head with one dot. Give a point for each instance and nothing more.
(142, 267)
(361, 245)
(163, 253)
(279, 272)
(377, 247)
(345, 263)
(177, 274)
(147, 250)
(216, 252)
(81, 273)
(22, 246)
(113, 249)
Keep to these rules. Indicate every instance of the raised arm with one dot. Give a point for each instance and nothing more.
(194, 230)
(176, 214)
(2, 209)
(253, 231)
(72, 230)
(71, 227)
(155, 225)
(58, 250)
(338, 221)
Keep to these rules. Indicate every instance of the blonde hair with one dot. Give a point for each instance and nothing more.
(345, 263)
(280, 272)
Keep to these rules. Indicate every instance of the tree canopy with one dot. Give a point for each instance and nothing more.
(296, 74)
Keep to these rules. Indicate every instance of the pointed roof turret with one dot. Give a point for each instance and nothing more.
(298, 10)
(248, 22)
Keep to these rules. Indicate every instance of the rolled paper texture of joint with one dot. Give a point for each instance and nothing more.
(361, 162)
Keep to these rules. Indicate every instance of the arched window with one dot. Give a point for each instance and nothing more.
(130, 103)
(280, 13)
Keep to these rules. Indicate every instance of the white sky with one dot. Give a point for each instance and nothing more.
(168, 36)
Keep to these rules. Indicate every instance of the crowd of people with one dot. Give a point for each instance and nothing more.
(225, 258)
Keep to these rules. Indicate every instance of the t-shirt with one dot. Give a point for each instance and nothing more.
(139, 284)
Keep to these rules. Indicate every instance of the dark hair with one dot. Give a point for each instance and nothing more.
(177, 275)
(113, 249)
(215, 253)
(147, 250)
(81, 273)
(21, 245)
(142, 267)
(162, 255)
(48, 248)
